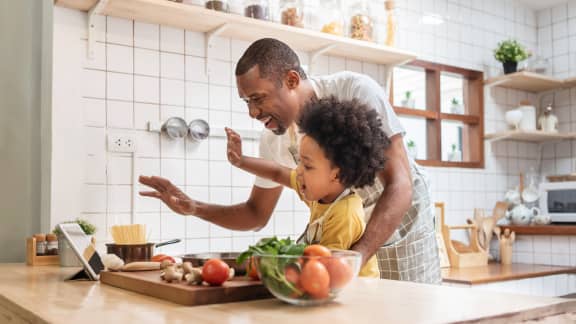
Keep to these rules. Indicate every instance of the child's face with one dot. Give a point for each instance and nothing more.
(318, 178)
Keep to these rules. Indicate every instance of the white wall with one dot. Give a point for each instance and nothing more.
(25, 28)
(144, 72)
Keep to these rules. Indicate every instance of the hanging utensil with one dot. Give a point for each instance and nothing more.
(175, 128)
(199, 129)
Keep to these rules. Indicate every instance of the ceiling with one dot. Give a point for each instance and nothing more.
(541, 4)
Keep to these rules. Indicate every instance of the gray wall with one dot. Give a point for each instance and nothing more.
(25, 74)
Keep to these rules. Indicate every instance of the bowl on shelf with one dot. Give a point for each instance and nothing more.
(513, 118)
(308, 280)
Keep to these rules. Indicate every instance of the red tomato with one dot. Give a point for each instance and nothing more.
(157, 257)
(251, 268)
(162, 257)
(340, 272)
(215, 272)
(292, 274)
(315, 279)
(317, 250)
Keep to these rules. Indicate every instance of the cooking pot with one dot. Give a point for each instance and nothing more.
(229, 258)
(136, 252)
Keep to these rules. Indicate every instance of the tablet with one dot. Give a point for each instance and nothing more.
(84, 249)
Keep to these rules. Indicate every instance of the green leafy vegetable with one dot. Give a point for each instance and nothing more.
(274, 255)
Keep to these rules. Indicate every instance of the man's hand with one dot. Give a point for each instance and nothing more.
(234, 149)
(173, 197)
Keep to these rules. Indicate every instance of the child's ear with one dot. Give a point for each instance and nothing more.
(335, 174)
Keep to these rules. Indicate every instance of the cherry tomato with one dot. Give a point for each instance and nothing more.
(162, 257)
(317, 250)
(315, 279)
(252, 271)
(157, 257)
(215, 272)
(340, 272)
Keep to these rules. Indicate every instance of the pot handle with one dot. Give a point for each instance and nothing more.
(174, 241)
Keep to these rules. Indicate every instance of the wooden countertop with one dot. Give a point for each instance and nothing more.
(494, 272)
(39, 295)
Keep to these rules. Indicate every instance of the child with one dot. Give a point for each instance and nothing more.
(342, 147)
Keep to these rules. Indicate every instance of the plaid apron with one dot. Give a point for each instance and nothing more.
(411, 253)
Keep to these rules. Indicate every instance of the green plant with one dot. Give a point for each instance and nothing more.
(408, 94)
(455, 101)
(411, 144)
(453, 147)
(86, 226)
(510, 51)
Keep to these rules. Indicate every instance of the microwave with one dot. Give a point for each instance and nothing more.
(558, 200)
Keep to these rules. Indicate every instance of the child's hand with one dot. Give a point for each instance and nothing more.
(234, 150)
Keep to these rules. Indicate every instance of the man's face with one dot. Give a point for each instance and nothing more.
(276, 107)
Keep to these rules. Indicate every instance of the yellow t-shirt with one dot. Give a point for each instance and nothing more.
(342, 226)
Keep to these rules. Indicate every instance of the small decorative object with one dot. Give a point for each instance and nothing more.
(505, 243)
(513, 118)
(408, 101)
(456, 107)
(391, 23)
(548, 122)
(522, 215)
(67, 256)
(411, 145)
(199, 129)
(528, 121)
(455, 155)
(510, 52)
(541, 219)
(175, 127)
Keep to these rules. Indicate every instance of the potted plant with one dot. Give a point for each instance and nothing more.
(411, 145)
(456, 107)
(408, 101)
(510, 52)
(455, 155)
(67, 256)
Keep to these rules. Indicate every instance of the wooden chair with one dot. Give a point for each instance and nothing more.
(460, 254)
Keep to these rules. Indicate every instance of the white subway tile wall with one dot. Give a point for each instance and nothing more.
(144, 72)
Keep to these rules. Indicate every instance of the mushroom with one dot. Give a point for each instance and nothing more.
(171, 274)
(194, 277)
(187, 267)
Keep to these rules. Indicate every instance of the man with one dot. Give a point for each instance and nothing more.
(275, 87)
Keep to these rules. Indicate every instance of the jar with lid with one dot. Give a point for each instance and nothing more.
(361, 22)
(218, 5)
(292, 13)
(51, 244)
(330, 18)
(40, 244)
(258, 9)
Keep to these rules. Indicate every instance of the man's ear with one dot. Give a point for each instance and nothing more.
(292, 79)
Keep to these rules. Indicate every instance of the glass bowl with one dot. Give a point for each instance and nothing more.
(308, 280)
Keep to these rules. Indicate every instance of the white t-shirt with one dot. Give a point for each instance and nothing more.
(344, 86)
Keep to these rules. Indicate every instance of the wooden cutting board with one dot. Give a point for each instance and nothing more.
(150, 284)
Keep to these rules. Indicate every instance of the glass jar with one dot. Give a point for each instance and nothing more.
(361, 23)
(257, 9)
(292, 13)
(330, 17)
(218, 5)
(40, 244)
(51, 244)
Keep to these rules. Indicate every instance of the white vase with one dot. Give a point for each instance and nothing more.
(528, 122)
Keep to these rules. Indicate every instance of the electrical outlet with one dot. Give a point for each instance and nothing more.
(121, 143)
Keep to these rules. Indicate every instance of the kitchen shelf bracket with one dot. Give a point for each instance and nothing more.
(315, 54)
(95, 10)
(208, 43)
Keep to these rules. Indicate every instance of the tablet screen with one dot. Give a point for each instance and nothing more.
(83, 248)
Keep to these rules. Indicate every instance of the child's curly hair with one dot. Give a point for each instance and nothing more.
(351, 136)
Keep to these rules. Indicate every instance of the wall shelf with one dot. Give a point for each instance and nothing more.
(196, 18)
(542, 229)
(569, 83)
(529, 136)
(527, 81)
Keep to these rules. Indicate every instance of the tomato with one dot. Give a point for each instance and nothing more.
(215, 272)
(292, 274)
(340, 272)
(315, 279)
(252, 270)
(317, 250)
(162, 257)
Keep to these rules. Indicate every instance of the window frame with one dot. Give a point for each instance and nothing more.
(473, 118)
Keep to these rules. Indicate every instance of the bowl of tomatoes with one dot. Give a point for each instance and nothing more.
(315, 277)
